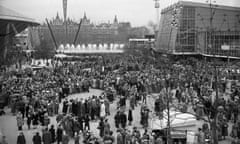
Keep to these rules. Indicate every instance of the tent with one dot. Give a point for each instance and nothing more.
(178, 121)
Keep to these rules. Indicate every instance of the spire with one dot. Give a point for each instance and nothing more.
(57, 17)
(84, 17)
(115, 20)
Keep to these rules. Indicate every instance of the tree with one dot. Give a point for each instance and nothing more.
(152, 26)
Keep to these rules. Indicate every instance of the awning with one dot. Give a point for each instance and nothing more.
(11, 23)
(19, 21)
(178, 120)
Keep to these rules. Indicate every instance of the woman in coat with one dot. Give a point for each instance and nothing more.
(106, 127)
(20, 121)
(234, 130)
(101, 128)
(59, 134)
(37, 139)
(65, 138)
(76, 138)
(35, 120)
(21, 139)
(53, 133)
(46, 137)
(224, 129)
(130, 117)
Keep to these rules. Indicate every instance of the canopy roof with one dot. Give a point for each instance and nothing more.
(178, 120)
(19, 21)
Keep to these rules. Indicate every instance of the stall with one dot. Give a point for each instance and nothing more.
(180, 123)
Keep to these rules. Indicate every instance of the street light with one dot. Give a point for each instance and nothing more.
(215, 103)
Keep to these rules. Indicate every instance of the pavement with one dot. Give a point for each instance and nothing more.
(8, 123)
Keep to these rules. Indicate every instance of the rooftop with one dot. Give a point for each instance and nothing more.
(203, 5)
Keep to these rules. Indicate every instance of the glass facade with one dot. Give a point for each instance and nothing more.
(167, 34)
(196, 33)
(223, 38)
(186, 33)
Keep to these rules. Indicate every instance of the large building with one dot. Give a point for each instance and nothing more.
(12, 23)
(115, 32)
(199, 29)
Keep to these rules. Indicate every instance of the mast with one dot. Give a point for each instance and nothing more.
(53, 38)
(76, 36)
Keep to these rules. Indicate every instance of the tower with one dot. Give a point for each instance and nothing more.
(65, 17)
(85, 16)
(157, 6)
(65, 10)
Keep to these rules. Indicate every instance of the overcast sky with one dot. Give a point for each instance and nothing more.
(138, 12)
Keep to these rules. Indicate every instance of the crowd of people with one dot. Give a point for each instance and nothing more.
(35, 95)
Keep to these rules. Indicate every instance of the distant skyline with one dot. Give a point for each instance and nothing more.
(137, 12)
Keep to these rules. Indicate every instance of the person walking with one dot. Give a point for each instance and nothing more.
(130, 117)
(3, 140)
(46, 120)
(29, 120)
(86, 122)
(101, 127)
(109, 138)
(65, 138)
(224, 129)
(59, 134)
(123, 119)
(20, 121)
(106, 127)
(21, 138)
(46, 137)
(76, 138)
(37, 139)
(117, 119)
(102, 109)
(200, 136)
(119, 137)
(53, 133)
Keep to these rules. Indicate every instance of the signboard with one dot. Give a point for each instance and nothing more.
(225, 47)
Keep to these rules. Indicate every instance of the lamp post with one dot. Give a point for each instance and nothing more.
(174, 24)
(215, 103)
